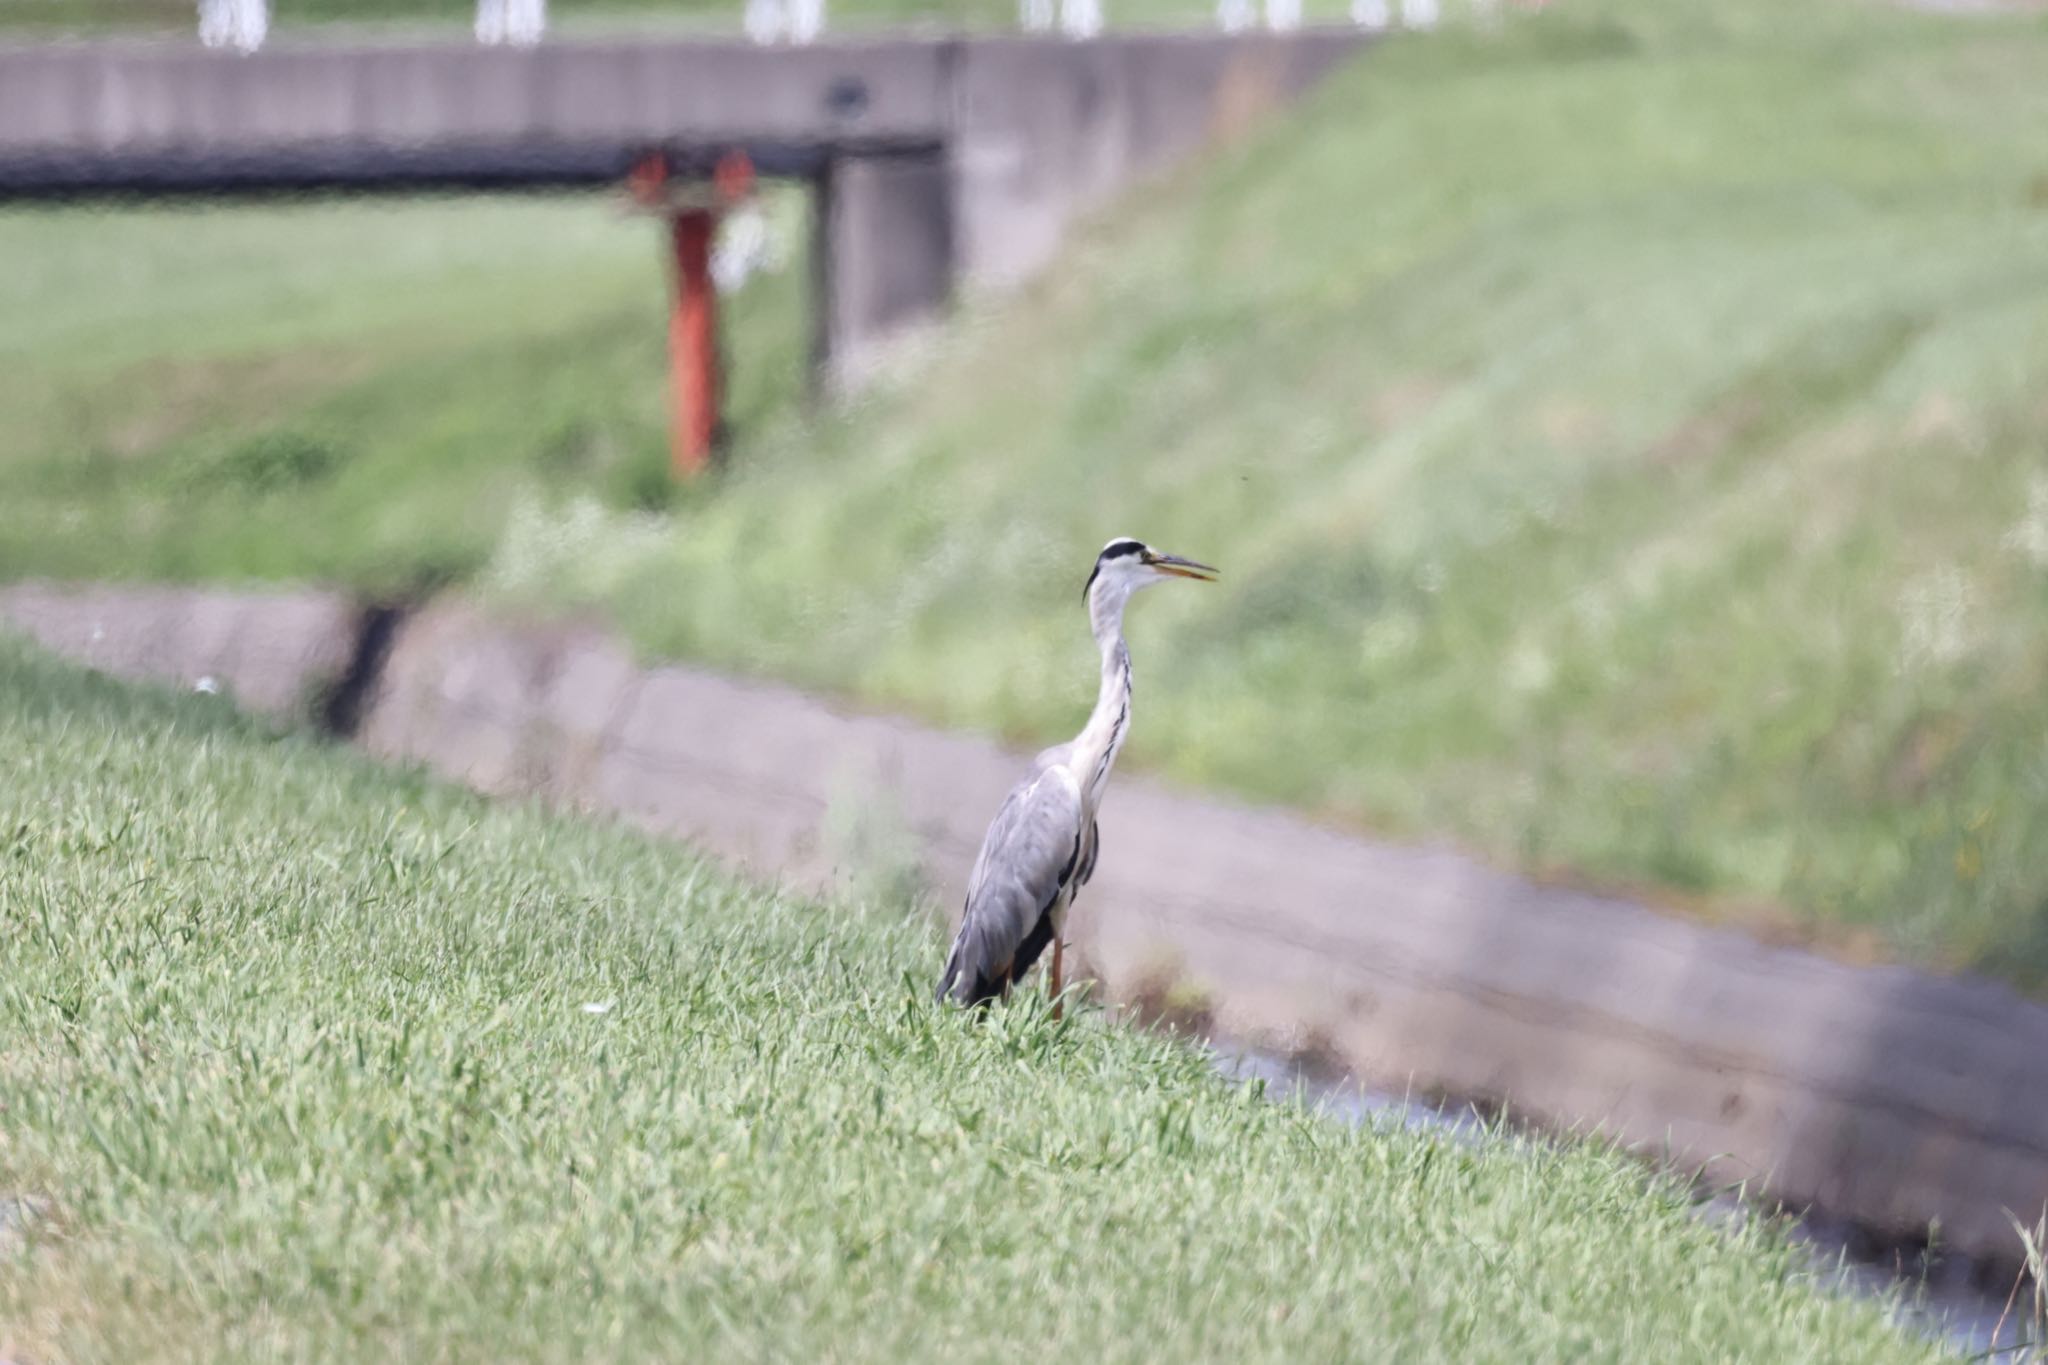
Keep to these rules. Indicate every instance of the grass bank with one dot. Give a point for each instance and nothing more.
(1623, 435)
(1622, 431)
(313, 1060)
(345, 390)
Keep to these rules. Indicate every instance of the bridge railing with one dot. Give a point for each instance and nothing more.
(243, 25)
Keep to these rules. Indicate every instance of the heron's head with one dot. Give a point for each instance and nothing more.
(1126, 565)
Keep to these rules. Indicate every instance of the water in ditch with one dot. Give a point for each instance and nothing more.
(1944, 1300)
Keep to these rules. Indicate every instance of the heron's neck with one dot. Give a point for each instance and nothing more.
(1096, 747)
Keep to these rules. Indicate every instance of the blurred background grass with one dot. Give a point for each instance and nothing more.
(1623, 429)
(355, 391)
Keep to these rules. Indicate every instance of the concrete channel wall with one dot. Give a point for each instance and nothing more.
(1884, 1095)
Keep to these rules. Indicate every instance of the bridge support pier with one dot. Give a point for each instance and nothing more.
(691, 207)
(881, 258)
(694, 378)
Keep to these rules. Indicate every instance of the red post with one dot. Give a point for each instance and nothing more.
(692, 214)
(693, 342)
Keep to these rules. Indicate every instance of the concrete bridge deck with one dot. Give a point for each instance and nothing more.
(938, 160)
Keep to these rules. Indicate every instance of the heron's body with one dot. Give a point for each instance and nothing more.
(1041, 847)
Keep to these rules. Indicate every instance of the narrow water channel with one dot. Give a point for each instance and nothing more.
(1944, 1299)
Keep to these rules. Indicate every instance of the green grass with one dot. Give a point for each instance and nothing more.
(1623, 435)
(298, 1053)
(1622, 431)
(347, 390)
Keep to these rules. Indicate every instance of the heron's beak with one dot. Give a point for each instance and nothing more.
(1182, 568)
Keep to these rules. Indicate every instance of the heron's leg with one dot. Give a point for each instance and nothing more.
(1058, 976)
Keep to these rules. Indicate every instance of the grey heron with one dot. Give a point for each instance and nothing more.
(1041, 847)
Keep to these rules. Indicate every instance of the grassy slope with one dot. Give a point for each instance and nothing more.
(343, 390)
(1623, 434)
(299, 1050)
(1624, 439)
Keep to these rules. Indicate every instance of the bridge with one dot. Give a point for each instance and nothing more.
(936, 162)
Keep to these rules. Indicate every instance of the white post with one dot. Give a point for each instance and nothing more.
(240, 24)
(806, 20)
(519, 22)
(1234, 16)
(1081, 18)
(1371, 14)
(1035, 15)
(764, 20)
(525, 21)
(1283, 15)
(1419, 13)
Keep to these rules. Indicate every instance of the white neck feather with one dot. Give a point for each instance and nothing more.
(1096, 747)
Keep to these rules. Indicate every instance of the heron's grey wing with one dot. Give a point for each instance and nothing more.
(1026, 859)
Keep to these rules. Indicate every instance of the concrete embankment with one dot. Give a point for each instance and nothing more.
(1885, 1095)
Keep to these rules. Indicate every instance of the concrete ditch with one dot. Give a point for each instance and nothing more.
(1887, 1096)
